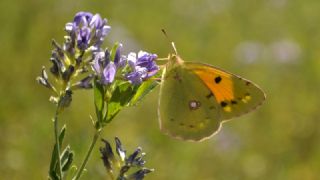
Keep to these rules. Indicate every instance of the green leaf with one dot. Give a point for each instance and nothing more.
(145, 88)
(53, 176)
(121, 96)
(113, 51)
(65, 155)
(98, 99)
(54, 155)
(53, 163)
(66, 166)
(125, 94)
(62, 134)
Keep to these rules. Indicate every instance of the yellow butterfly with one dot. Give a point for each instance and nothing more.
(195, 98)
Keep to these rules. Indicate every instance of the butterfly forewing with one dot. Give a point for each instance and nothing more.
(235, 95)
(187, 110)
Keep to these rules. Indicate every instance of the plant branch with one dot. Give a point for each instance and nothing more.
(56, 127)
(84, 163)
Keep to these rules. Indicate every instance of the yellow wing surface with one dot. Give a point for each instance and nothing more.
(195, 98)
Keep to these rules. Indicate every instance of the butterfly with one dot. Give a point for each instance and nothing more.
(196, 98)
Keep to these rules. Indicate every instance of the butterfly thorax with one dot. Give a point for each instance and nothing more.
(174, 61)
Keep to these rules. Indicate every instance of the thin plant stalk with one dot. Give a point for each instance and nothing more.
(85, 161)
(56, 130)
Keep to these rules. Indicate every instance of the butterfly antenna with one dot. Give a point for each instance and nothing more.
(171, 42)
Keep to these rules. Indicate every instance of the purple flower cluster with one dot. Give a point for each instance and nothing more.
(88, 29)
(140, 68)
(82, 48)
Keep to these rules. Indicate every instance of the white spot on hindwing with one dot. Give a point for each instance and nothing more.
(194, 104)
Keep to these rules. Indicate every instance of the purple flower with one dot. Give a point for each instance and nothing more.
(101, 59)
(105, 68)
(88, 29)
(119, 60)
(143, 66)
(134, 77)
(109, 73)
(82, 18)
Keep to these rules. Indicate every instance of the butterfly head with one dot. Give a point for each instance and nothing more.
(173, 58)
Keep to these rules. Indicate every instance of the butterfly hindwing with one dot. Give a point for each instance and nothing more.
(235, 95)
(186, 110)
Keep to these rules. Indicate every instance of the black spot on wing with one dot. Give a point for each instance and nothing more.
(217, 79)
(209, 95)
(191, 126)
(234, 102)
(223, 104)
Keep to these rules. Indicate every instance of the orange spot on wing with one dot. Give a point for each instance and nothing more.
(223, 91)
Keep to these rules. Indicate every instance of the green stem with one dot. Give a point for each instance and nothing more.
(56, 134)
(111, 174)
(84, 163)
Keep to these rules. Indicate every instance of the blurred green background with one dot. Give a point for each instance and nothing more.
(275, 43)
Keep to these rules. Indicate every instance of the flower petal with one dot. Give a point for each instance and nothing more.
(109, 73)
(134, 78)
(96, 22)
(82, 18)
(117, 55)
(132, 59)
(97, 62)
